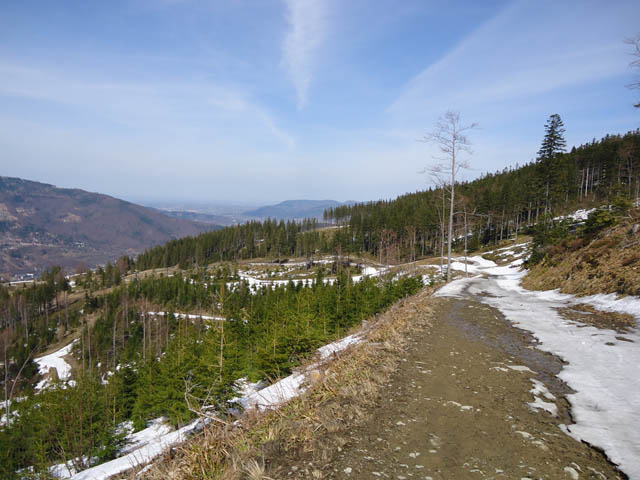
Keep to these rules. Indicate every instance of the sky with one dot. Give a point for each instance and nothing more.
(258, 101)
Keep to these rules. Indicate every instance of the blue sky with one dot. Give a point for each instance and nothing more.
(260, 101)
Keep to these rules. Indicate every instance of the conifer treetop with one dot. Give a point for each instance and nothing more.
(553, 142)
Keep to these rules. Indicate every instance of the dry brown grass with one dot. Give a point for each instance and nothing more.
(310, 427)
(620, 322)
(610, 263)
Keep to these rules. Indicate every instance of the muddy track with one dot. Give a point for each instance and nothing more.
(458, 408)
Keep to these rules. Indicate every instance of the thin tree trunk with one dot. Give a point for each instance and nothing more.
(89, 345)
(82, 344)
(453, 183)
(66, 312)
(442, 235)
(466, 272)
(6, 379)
(144, 336)
(113, 340)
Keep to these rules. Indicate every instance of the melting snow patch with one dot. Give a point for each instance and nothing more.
(155, 431)
(539, 404)
(295, 384)
(276, 394)
(540, 388)
(577, 216)
(454, 289)
(606, 402)
(153, 443)
(190, 316)
(54, 360)
(338, 346)
(500, 369)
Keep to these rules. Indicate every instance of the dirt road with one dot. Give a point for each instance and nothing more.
(459, 408)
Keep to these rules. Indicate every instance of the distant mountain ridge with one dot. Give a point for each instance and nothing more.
(296, 209)
(208, 218)
(42, 225)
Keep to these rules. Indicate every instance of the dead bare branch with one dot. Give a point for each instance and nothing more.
(450, 136)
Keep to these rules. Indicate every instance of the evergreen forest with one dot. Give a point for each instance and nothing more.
(133, 366)
(136, 353)
(491, 208)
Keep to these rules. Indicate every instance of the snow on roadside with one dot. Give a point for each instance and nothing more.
(295, 384)
(601, 369)
(539, 392)
(338, 346)
(54, 360)
(151, 442)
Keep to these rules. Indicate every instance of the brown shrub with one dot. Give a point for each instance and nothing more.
(607, 242)
(575, 244)
(557, 250)
(631, 259)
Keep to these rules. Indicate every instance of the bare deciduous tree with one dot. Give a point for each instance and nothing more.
(450, 136)
(635, 43)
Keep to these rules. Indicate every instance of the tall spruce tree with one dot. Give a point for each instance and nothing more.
(553, 144)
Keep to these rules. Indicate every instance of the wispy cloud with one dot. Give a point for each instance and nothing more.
(225, 111)
(522, 52)
(307, 28)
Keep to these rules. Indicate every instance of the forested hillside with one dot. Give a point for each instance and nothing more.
(499, 205)
(491, 208)
(251, 240)
(222, 319)
(42, 225)
(133, 365)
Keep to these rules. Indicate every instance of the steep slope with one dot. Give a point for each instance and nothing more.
(608, 262)
(42, 225)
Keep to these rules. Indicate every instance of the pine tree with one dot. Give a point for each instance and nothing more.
(553, 142)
